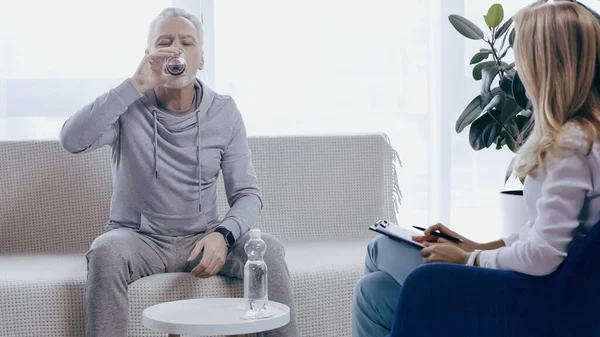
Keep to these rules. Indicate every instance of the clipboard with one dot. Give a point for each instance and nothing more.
(396, 232)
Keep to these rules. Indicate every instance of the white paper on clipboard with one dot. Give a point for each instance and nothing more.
(396, 232)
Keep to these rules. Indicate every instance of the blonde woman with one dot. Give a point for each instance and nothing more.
(557, 53)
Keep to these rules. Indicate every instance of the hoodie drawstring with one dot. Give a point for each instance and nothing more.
(198, 152)
(198, 159)
(155, 145)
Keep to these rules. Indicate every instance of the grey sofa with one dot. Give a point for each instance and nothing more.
(320, 194)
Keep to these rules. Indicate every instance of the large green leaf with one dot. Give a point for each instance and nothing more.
(471, 112)
(479, 57)
(518, 92)
(488, 74)
(512, 136)
(479, 68)
(522, 121)
(509, 110)
(506, 85)
(494, 16)
(465, 27)
(484, 130)
(511, 38)
(500, 142)
(494, 103)
(512, 145)
(504, 28)
(524, 124)
(509, 67)
(510, 169)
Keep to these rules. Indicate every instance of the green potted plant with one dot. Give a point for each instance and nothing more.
(500, 113)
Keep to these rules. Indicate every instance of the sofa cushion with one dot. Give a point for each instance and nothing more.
(42, 295)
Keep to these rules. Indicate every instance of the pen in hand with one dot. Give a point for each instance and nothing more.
(442, 235)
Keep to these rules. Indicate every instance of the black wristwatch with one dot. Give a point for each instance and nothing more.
(227, 234)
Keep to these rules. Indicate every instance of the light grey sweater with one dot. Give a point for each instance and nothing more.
(165, 167)
(563, 202)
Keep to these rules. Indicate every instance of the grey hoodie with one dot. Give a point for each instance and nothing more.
(158, 158)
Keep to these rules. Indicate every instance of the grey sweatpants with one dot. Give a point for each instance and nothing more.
(122, 255)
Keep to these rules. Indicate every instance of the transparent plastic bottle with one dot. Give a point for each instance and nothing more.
(255, 275)
(176, 65)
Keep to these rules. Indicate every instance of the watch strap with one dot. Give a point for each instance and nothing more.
(229, 239)
(472, 257)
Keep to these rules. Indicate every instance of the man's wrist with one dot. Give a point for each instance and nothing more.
(223, 235)
(139, 84)
(227, 235)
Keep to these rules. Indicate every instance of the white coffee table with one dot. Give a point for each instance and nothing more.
(211, 316)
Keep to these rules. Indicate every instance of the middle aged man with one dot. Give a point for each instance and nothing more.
(170, 137)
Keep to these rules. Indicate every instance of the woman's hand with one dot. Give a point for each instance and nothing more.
(466, 244)
(443, 252)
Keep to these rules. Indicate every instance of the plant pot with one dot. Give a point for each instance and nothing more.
(513, 213)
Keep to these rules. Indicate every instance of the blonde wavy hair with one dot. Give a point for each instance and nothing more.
(557, 50)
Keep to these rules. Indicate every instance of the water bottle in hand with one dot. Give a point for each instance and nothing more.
(255, 276)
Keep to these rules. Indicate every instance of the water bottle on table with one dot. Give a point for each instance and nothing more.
(255, 277)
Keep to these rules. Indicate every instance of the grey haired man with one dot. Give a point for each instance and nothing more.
(170, 137)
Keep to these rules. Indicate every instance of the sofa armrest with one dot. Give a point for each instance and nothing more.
(452, 300)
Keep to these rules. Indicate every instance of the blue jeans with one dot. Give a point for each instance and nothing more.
(387, 265)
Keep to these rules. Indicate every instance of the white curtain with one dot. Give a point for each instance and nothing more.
(335, 66)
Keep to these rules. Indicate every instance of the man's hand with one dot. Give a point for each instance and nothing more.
(151, 72)
(213, 259)
(443, 252)
(466, 244)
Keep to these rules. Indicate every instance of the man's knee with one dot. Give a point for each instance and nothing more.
(275, 255)
(275, 250)
(109, 249)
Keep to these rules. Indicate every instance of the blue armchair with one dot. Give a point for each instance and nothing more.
(451, 300)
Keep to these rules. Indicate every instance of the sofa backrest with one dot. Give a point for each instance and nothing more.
(313, 187)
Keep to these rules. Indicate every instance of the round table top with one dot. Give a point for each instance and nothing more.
(211, 316)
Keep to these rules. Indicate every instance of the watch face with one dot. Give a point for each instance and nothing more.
(229, 238)
(227, 234)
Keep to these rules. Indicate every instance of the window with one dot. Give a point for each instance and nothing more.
(293, 67)
(335, 66)
(59, 55)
